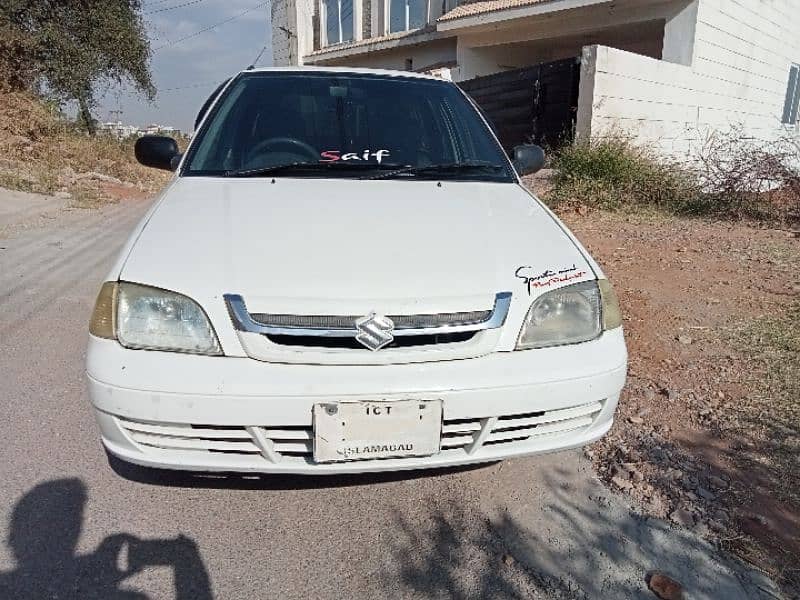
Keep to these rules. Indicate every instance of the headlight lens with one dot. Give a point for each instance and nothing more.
(569, 315)
(564, 316)
(155, 319)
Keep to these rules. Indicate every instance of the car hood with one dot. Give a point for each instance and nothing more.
(342, 246)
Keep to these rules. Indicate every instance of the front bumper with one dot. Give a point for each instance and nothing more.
(199, 413)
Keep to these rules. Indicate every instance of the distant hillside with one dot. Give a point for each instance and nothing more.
(42, 151)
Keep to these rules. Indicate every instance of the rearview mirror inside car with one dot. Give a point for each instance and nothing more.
(528, 158)
(157, 151)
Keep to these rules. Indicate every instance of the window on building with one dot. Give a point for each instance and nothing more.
(338, 21)
(405, 15)
(790, 107)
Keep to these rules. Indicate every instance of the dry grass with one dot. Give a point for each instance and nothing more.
(769, 420)
(41, 151)
(771, 415)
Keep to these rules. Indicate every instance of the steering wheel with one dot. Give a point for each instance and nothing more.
(293, 145)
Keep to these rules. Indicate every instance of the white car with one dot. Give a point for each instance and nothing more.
(346, 274)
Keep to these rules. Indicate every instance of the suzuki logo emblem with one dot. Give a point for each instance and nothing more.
(374, 331)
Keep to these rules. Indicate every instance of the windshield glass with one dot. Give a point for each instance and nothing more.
(316, 124)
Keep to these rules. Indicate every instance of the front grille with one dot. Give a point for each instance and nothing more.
(296, 442)
(453, 319)
(203, 438)
(269, 336)
(460, 433)
(348, 343)
(514, 428)
(522, 427)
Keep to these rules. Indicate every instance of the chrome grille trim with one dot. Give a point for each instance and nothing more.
(346, 322)
(337, 326)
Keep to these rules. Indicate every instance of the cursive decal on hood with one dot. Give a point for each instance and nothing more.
(548, 277)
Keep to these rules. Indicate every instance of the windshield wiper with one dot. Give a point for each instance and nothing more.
(459, 167)
(309, 166)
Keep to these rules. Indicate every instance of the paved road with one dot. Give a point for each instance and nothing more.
(74, 528)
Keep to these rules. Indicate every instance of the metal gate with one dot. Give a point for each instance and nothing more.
(535, 104)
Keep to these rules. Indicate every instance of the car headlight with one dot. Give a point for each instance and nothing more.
(148, 318)
(570, 315)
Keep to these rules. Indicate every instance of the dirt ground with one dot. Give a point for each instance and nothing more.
(534, 527)
(708, 429)
(707, 432)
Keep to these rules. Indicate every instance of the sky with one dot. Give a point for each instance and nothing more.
(186, 72)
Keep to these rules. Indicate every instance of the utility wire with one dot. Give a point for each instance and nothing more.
(156, 3)
(160, 10)
(210, 27)
(190, 86)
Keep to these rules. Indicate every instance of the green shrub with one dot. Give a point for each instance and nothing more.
(732, 176)
(612, 173)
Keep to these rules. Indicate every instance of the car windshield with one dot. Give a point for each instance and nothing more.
(345, 125)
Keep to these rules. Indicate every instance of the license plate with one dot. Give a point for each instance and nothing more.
(347, 431)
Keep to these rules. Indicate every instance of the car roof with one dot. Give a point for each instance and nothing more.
(343, 70)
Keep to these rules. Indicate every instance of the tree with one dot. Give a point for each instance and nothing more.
(72, 47)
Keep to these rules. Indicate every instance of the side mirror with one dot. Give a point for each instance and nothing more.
(528, 159)
(156, 151)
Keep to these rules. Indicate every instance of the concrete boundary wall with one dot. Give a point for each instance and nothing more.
(738, 78)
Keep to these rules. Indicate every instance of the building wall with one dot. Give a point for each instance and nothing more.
(642, 38)
(292, 31)
(736, 76)
(366, 19)
(281, 42)
(642, 26)
(421, 56)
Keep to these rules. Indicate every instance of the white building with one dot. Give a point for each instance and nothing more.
(156, 129)
(665, 72)
(118, 130)
(121, 131)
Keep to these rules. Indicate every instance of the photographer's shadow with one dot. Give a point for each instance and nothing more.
(43, 536)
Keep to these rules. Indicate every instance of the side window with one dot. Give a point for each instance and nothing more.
(207, 104)
(210, 155)
(790, 107)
